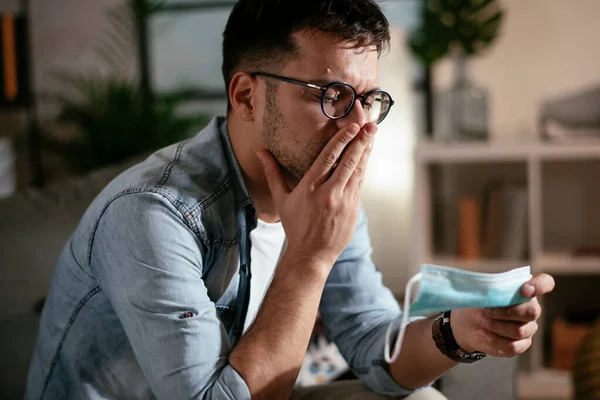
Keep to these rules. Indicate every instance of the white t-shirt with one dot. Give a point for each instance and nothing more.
(267, 241)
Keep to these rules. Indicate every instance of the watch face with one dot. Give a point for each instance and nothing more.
(476, 355)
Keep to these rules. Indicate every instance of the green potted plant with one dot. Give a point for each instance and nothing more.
(114, 114)
(460, 29)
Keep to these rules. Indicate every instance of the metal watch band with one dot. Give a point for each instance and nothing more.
(445, 342)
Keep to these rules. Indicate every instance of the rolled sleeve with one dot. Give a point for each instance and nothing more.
(357, 309)
(229, 385)
(149, 264)
(376, 374)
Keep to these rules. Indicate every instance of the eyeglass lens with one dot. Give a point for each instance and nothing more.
(339, 99)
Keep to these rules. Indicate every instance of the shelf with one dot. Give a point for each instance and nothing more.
(569, 151)
(550, 262)
(544, 384)
(482, 152)
(564, 263)
(483, 265)
(429, 151)
(562, 194)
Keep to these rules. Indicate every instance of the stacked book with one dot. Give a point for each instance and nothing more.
(494, 225)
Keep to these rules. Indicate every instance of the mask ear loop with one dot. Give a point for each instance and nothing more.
(405, 314)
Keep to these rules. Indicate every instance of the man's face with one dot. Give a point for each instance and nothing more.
(293, 127)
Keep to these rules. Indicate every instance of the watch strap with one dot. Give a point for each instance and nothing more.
(446, 343)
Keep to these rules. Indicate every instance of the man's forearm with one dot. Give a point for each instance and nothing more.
(270, 354)
(420, 362)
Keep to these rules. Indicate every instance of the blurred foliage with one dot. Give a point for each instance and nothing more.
(450, 27)
(117, 124)
(110, 108)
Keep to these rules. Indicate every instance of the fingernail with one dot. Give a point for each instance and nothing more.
(371, 143)
(353, 129)
(371, 130)
(528, 290)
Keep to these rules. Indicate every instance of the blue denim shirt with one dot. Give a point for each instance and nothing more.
(150, 292)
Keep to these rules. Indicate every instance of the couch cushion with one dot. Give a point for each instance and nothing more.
(35, 227)
(17, 335)
(491, 378)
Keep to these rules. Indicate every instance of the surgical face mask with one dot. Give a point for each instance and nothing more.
(444, 289)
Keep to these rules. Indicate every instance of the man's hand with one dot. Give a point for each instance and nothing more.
(320, 215)
(505, 331)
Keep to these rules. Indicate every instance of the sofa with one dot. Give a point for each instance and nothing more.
(34, 226)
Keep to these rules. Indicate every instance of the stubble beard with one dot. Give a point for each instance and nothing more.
(294, 160)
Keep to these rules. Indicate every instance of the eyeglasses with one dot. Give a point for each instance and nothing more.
(338, 98)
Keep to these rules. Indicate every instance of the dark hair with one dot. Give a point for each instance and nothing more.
(258, 32)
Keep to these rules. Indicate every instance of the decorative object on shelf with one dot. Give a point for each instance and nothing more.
(16, 81)
(14, 74)
(586, 368)
(117, 115)
(566, 333)
(570, 118)
(7, 168)
(13, 89)
(467, 105)
(461, 29)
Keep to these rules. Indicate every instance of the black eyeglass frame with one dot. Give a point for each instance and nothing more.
(323, 89)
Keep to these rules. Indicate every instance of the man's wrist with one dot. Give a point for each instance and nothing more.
(459, 334)
(306, 266)
(446, 343)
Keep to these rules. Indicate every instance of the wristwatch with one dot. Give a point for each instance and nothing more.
(444, 340)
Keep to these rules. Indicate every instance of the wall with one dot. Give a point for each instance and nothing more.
(64, 32)
(387, 191)
(548, 48)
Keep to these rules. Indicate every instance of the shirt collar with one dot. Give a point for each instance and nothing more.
(241, 194)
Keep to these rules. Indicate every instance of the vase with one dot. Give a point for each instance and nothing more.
(463, 108)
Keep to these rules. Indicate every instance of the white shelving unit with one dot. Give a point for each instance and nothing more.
(554, 263)
(559, 180)
(544, 384)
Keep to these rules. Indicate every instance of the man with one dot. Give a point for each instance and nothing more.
(199, 272)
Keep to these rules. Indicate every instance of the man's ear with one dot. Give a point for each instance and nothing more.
(242, 92)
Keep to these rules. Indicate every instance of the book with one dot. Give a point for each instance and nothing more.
(493, 224)
(469, 227)
(513, 240)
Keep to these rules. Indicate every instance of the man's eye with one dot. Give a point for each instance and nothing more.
(367, 104)
(331, 99)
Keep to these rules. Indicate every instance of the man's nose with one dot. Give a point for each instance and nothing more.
(356, 115)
